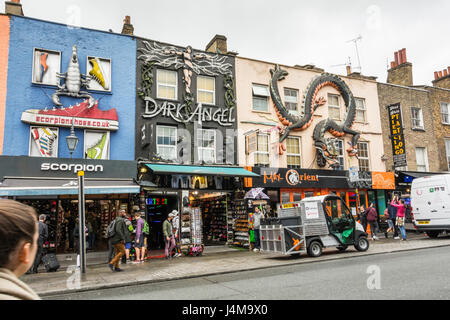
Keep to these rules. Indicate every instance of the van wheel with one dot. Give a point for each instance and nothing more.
(315, 249)
(433, 234)
(362, 244)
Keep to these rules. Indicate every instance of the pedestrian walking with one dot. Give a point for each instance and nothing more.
(258, 215)
(372, 218)
(128, 234)
(139, 240)
(19, 235)
(118, 240)
(363, 217)
(389, 221)
(176, 229)
(168, 236)
(392, 211)
(401, 208)
(43, 236)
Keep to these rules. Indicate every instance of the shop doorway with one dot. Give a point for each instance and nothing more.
(158, 208)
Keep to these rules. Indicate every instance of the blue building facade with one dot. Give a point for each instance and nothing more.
(40, 49)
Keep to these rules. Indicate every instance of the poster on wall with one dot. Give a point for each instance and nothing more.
(397, 137)
(46, 64)
(311, 210)
(96, 145)
(99, 69)
(43, 142)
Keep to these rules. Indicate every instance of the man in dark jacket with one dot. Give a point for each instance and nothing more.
(372, 218)
(393, 216)
(118, 241)
(43, 236)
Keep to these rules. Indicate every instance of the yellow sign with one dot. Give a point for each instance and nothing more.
(288, 205)
(80, 173)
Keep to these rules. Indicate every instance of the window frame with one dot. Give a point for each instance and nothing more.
(167, 145)
(260, 96)
(334, 106)
(420, 114)
(425, 153)
(207, 91)
(447, 151)
(294, 154)
(363, 109)
(364, 158)
(258, 152)
(447, 114)
(167, 85)
(286, 100)
(201, 148)
(341, 156)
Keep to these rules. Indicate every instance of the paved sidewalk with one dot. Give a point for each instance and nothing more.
(216, 262)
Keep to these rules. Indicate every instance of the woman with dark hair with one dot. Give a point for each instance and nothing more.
(401, 208)
(18, 246)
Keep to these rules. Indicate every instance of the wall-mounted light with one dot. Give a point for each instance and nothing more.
(143, 170)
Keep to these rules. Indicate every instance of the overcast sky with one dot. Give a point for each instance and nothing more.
(288, 32)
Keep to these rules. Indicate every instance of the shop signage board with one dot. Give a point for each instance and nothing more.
(31, 167)
(397, 137)
(299, 178)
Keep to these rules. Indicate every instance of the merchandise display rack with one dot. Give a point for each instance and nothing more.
(214, 210)
(240, 221)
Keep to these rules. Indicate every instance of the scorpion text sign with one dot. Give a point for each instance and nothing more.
(397, 137)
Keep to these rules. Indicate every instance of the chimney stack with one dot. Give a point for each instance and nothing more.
(218, 44)
(442, 78)
(349, 70)
(13, 7)
(127, 26)
(401, 70)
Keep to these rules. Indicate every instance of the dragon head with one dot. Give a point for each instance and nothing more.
(278, 73)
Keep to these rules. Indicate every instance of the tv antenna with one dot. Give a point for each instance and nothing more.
(355, 41)
(348, 63)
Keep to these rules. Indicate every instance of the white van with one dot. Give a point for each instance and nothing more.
(430, 202)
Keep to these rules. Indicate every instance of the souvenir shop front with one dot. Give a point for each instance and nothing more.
(50, 186)
(210, 201)
(297, 184)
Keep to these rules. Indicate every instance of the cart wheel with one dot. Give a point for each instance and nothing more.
(362, 244)
(342, 248)
(315, 249)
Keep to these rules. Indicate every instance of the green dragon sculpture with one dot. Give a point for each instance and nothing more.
(325, 147)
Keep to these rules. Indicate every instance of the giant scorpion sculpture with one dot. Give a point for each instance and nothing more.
(326, 148)
(74, 81)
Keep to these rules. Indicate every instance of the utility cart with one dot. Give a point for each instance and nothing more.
(310, 225)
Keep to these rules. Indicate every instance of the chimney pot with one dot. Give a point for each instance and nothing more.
(440, 74)
(445, 73)
(436, 76)
(396, 58)
(404, 56)
(349, 70)
(392, 64)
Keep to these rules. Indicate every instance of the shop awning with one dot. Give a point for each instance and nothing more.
(47, 187)
(201, 170)
(419, 174)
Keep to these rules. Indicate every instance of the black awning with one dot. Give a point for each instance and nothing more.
(419, 174)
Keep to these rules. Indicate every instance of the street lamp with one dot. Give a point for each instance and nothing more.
(72, 140)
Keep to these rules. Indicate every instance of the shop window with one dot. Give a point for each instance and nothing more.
(362, 199)
(291, 100)
(293, 152)
(262, 153)
(96, 145)
(285, 197)
(360, 110)
(43, 142)
(99, 69)
(297, 196)
(352, 202)
(445, 112)
(422, 159)
(166, 84)
(166, 142)
(363, 156)
(334, 110)
(206, 87)
(260, 98)
(46, 64)
(309, 194)
(417, 118)
(206, 140)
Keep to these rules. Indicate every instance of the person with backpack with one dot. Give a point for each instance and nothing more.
(139, 240)
(372, 218)
(118, 233)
